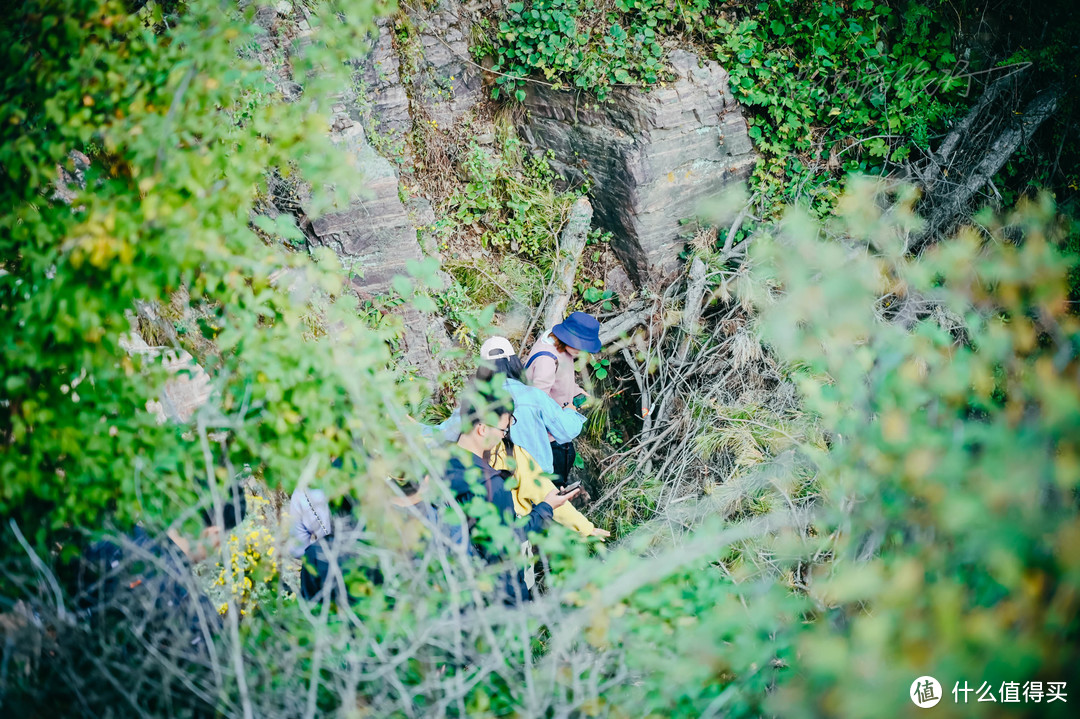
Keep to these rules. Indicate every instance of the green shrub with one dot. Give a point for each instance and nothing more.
(949, 492)
(513, 210)
(179, 123)
(854, 86)
(832, 87)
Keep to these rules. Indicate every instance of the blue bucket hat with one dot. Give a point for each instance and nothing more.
(580, 330)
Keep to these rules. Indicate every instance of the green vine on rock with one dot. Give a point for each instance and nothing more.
(832, 87)
(587, 44)
(837, 89)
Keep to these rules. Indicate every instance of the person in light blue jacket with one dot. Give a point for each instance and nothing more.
(539, 419)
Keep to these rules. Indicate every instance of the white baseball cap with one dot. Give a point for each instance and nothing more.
(496, 348)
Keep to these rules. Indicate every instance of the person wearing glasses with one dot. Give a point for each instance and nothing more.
(527, 450)
(481, 490)
(539, 421)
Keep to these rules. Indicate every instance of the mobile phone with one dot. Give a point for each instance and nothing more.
(570, 488)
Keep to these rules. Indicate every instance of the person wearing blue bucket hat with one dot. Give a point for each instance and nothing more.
(580, 331)
(550, 367)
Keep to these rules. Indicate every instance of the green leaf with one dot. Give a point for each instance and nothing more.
(401, 285)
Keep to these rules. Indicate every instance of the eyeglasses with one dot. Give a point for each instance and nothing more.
(513, 421)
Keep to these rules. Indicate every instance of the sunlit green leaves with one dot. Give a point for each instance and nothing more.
(570, 40)
(180, 126)
(935, 473)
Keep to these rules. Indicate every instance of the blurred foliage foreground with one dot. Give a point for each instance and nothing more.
(940, 537)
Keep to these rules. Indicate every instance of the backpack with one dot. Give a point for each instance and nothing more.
(543, 353)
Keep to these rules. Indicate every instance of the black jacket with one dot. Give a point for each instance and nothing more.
(458, 476)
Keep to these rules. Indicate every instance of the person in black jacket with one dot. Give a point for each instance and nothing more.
(139, 568)
(485, 422)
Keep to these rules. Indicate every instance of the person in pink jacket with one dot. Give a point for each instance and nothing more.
(550, 367)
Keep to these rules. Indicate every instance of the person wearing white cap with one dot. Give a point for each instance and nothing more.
(538, 418)
(528, 453)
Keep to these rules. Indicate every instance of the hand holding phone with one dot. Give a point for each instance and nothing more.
(557, 498)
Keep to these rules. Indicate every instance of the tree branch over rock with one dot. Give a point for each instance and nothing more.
(975, 151)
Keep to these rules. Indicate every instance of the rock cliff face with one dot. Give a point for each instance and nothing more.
(381, 94)
(448, 84)
(377, 235)
(653, 156)
(375, 231)
(419, 69)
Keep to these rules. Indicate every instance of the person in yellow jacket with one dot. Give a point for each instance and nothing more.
(533, 485)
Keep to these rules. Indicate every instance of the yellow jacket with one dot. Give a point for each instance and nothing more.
(533, 485)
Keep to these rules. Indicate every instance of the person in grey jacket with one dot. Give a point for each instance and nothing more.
(309, 512)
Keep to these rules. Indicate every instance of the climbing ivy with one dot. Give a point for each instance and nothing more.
(832, 87)
(591, 45)
(837, 87)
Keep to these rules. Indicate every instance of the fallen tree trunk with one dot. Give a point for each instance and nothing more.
(624, 325)
(944, 159)
(571, 245)
(691, 317)
(950, 205)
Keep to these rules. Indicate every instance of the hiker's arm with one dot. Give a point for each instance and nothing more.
(548, 506)
(567, 514)
(534, 486)
(562, 423)
(569, 517)
(543, 511)
(538, 518)
(300, 535)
